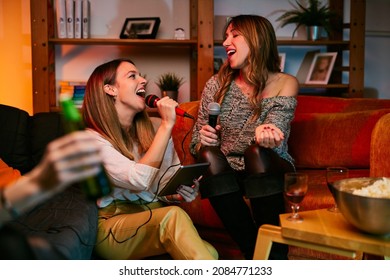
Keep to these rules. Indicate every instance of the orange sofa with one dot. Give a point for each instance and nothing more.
(326, 131)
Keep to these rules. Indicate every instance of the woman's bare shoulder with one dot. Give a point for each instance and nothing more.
(281, 84)
(288, 85)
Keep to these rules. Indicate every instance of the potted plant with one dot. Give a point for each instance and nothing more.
(169, 84)
(313, 15)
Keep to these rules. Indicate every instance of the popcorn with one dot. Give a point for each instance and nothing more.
(379, 189)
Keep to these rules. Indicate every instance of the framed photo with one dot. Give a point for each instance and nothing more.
(282, 59)
(140, 28)
(321, 68)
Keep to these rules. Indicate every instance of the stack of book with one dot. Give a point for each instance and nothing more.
(72, 18)
(75, 89)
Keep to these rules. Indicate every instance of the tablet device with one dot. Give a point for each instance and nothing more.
(185, 175)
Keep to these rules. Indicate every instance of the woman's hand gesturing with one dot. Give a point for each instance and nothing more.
(268, 136)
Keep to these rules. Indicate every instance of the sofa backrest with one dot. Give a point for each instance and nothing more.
(44, 127)
(318, 140)
(325, 131)
(14, 138)
(325, 104)
(182, 132)
(23, 138)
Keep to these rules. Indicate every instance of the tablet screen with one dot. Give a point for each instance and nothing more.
(185, 175)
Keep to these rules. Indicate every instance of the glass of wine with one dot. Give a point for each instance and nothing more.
(333, 174)
(295, 189)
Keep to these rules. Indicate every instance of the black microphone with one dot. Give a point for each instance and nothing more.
(214, 111)
(151, 101)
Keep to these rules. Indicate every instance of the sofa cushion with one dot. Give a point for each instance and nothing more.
(67, 221)
(319, 140)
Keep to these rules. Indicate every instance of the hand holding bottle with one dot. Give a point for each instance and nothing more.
(95, 186)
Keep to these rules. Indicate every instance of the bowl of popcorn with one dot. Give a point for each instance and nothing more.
(365, 203)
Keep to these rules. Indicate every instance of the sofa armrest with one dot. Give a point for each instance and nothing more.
(380, 150)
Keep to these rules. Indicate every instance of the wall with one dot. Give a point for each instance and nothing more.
(15, 54)
(15, 45)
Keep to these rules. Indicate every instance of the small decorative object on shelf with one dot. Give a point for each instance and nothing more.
(313, 15)
(140, 28)
(169, 84)
(180, 34)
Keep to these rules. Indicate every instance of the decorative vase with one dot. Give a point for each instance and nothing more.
(314, 32)
(170, 93)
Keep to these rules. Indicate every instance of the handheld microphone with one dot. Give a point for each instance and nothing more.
(214, 111)
(151, 101)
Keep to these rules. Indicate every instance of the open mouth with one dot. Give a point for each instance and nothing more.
(141, 93)
(230, 53)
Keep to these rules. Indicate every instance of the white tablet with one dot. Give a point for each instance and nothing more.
(185, 175)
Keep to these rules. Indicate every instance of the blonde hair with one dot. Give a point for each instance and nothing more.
(263, 57)
(99, 113)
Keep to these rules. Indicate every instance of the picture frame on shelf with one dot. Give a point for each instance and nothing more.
(321, 68)
(140, 28)
(282, 60)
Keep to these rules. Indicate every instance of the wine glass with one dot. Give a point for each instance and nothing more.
(295, 189)
(333, 174)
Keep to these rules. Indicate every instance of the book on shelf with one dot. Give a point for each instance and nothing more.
(86, 18)
(71, 83)
(78, 95)
(75, 89)
(78, 18)
(60, 18)
(69, 5)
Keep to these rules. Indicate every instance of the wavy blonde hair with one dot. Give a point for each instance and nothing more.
(99, 113)
(263, 57)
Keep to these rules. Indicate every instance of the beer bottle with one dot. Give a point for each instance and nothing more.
(96, 186)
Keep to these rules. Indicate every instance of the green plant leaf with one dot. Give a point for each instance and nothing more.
(169, 81)
(311, 14)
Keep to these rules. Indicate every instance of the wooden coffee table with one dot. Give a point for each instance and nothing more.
(323, 231)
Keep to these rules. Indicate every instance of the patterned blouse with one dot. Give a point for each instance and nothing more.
(238, 128)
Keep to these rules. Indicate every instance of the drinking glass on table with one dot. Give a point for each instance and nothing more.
(333, 174)
(295, 189)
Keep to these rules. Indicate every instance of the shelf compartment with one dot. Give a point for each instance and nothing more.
(133, 42)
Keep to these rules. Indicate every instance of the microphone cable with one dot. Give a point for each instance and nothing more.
(54, 229)
(155, 195)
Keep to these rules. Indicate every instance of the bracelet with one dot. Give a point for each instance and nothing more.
(5, 204)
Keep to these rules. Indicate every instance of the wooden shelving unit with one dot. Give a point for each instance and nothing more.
(201, 44)
(133, 42)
